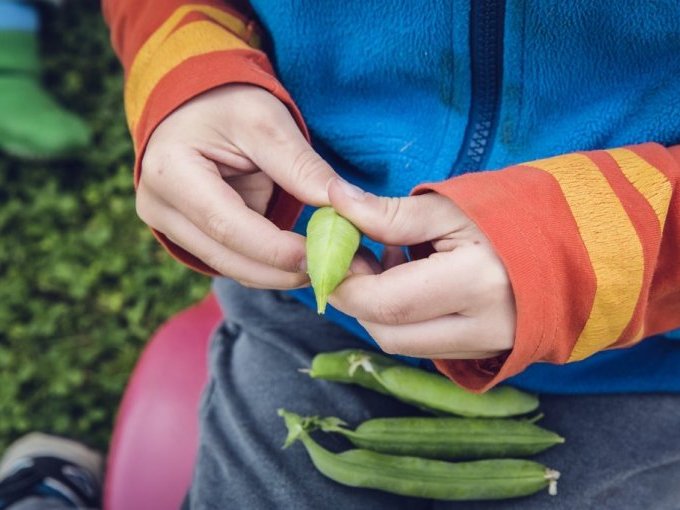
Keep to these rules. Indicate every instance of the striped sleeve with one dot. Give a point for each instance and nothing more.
(174, 50)
(590, 241)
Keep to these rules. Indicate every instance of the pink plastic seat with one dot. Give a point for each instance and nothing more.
(155, 437)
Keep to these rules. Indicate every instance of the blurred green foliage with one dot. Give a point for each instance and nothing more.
(82, 282)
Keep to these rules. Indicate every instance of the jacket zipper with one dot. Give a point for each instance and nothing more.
(486, 63)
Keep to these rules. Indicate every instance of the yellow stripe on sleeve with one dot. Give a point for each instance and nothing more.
(166, 48)
(613, 246)
(647, 179)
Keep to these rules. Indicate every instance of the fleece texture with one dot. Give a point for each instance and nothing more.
(385, 90)
(391, 93)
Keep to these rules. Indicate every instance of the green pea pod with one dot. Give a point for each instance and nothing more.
(447, 438)
(337, 366)
(332, 242)
(421, 388)
(423, 478)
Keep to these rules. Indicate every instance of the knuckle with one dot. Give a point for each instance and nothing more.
(388, 311)
(220, 263)
(266, 125)
(390, 216)
(219, 227)
(293, 281)
(154, 166)
(143, 208)
(277, 255)
(387, 346)
(305, 166)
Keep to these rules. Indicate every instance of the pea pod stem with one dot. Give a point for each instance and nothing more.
(423, 389)
(423, 478)
(342, 367)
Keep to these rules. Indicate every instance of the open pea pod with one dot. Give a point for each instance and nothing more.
(332, 242)
(338, 366)
(418, 387)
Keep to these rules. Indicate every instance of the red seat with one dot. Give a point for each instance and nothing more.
(155, 437)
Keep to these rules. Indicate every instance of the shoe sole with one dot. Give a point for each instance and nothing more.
(37, 444)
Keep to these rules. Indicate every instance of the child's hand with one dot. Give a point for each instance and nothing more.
(208, 173)
(457, 303)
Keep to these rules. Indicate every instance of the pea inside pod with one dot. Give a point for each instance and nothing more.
(446, 437)
(423, 478)
(423, 389)
(331, 244)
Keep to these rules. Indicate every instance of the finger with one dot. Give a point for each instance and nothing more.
(291, 162)
(448, 336)
(364, 262)
(228, 158)
(255, 190)
(397, 221)
(467, 355)
(443, 283)
(223, 260)
(193, 186)
(393, 256)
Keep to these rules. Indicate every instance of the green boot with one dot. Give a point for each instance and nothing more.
(32, 124)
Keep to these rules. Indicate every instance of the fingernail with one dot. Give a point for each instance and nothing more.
(352, 191)
(302, 266)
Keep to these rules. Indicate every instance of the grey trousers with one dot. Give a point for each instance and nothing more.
(622, 452)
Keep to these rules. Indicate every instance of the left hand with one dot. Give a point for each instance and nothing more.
(455, 304)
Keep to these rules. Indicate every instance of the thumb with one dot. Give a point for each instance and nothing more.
(397, 221)
(286, 156)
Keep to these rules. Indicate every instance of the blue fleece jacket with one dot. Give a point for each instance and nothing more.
(397, 93)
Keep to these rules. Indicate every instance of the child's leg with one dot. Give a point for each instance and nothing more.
(254, 363)
(622, 452)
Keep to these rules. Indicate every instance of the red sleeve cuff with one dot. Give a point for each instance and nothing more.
(190, 79)
(493, 200)
(589, 242)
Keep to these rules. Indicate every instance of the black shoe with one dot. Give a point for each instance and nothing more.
(51, 467)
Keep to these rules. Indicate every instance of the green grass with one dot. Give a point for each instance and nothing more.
(82, 282)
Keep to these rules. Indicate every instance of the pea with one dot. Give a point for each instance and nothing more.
(447, 438)
(332, 242)
(423, 478)
(426, 390)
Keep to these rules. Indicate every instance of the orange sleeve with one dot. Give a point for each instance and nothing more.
(174, 50)
(590, 242)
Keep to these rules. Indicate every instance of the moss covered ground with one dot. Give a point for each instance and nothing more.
(82, 282)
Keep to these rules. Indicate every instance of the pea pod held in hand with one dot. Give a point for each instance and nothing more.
(426, 390)
(446, 438)
(332, 242)
(423, 478)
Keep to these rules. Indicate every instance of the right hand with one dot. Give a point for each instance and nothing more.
(208, 174)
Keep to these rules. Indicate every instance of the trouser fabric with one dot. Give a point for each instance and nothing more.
(621, 451)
